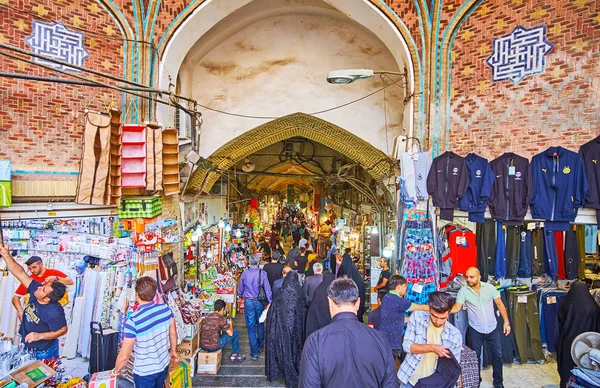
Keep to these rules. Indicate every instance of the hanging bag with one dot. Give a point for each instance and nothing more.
(262, 294)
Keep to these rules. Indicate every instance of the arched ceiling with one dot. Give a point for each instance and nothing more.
(353, 148)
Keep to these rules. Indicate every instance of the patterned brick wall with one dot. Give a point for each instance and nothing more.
(41, 125)
(558, 107)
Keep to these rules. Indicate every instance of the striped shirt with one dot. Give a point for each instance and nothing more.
(149, 325)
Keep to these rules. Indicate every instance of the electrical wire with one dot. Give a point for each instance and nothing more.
(312, 113)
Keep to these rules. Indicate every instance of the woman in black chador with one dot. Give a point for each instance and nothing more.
(347, 268)
(577, 314)
(318, 312)
(285, 331)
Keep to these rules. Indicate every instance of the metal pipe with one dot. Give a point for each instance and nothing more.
(280, 175)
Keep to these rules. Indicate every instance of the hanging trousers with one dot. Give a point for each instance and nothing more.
(537, 252)
(580, 231)
(559, 239)
(513, 251)
(500, 265)
(550, 254)
(571, 255)
(486, 248)
(526, 325)
(551, 301)
(525, 259)
(93, 174)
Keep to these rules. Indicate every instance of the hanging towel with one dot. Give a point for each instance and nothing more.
(93, 173)
(154, 158)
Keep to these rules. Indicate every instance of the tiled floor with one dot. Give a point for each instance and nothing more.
(525, 376)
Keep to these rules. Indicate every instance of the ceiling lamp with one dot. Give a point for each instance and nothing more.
(248, 166)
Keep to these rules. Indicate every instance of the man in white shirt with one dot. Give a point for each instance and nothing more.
(479, 299)
(302, 243)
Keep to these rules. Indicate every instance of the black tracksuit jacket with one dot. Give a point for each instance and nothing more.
(448, 180)
(510, 195)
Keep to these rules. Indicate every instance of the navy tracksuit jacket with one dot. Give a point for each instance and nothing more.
(559, 184)
(481, 179)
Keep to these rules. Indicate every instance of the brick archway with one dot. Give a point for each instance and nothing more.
(294, 125)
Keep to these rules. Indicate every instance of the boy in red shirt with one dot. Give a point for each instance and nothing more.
(43, 275)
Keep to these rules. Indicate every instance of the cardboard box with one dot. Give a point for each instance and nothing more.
(33, 374)
(103, 379)
(179, 375)
(209, 363)
(188, 347)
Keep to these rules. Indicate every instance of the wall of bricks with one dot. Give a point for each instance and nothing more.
(41, 124)
(558, 107)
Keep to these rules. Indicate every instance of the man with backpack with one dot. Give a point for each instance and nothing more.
(249, 288)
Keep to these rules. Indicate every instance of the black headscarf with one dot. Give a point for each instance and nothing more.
(577, 314)
(285, 331)
(318, 312)
(347, 268)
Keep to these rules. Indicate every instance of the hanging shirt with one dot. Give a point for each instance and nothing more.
(463, 249)
(591, 238)
(481, 180)
(447, 182)
(512, 188)
(590, 152)
(559, 184)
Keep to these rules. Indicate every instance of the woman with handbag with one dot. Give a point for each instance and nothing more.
(255, 289)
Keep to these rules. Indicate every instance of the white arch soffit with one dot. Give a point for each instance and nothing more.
(211, 12)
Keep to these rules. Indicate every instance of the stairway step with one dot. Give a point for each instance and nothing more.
(242, 370)
(234, 381)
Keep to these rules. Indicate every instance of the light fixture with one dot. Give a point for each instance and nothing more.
(351, 75)
(238, 233)
(199, 230)
(195, 237)
(221, 224)
(228, 228)
(374, 230)
(248, 166)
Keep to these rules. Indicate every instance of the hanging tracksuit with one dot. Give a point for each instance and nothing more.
(481, 179)
(590, 152)
(447, 182)
(511, 190)
(559, 186)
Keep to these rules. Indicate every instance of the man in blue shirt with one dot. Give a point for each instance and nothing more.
(429, 336)
(248, 289)
(393, 308)
(151, 334)
(43, 317)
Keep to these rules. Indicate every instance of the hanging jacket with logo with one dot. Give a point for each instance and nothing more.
(511, 190)
(559, 184)
(590, 152)
(481, 179)
(447, 182)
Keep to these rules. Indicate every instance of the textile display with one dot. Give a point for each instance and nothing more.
(154, 157)
(419, 265)
(133, 167)
(70, 349)
(414, 170)
(447, 182)
(94, 169)
(512, 188)
(589, 153)
(8, 321)
(469, 365)
(500, 265)
(526, 324)
(549, 301)
(481, 180)
(486, 248)
(90, 282)
(113, 188)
